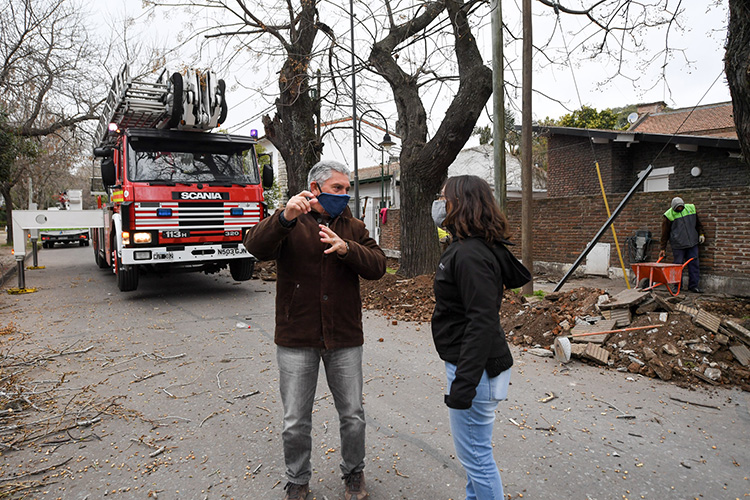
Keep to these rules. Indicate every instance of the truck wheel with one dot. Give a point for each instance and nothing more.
(81, 243)
(127, 276)
(241, 269)
(224, 109)
(176, 116)
(100, 261)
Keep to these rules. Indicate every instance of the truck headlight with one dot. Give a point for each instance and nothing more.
(141, 238)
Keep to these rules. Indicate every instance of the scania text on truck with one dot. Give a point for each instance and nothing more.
(180, 197)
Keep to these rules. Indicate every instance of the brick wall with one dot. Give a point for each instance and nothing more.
(390, 232)
(564, 226)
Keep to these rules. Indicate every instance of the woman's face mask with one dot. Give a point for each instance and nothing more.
(438, 212)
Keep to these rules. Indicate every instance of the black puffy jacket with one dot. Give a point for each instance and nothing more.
(466, 324)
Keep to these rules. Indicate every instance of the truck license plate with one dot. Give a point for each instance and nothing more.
(175, 234)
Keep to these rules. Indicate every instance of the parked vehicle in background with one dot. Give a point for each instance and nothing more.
(64, 236)
(179, 196)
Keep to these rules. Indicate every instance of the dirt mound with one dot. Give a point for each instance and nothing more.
(680, 350)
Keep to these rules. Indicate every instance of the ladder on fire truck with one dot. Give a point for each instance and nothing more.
(186, 101)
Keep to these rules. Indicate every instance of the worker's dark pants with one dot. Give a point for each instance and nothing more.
(683, 254)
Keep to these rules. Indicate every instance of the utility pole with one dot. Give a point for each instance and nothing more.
(498, 105)
(527, 254)
(354, 116)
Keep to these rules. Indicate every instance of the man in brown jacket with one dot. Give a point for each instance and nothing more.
(320, 252)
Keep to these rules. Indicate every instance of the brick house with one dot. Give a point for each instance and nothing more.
(701, 163)
(695, 154)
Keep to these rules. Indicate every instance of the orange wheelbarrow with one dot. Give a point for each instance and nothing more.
(653, 274)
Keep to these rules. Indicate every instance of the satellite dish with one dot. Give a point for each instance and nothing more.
(632, 117)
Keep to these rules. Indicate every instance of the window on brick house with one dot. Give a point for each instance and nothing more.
(658, 180)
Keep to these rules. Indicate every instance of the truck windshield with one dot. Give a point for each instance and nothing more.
(148, 164)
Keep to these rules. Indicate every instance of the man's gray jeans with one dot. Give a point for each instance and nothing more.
(298, 369)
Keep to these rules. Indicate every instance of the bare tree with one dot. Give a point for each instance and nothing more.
(425, 161)
(422, 50)
(47, 74)
(737, 68)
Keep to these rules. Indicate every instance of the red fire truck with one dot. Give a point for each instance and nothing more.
(179, 196)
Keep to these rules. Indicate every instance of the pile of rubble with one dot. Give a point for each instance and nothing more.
(679, 339)
(638, 332)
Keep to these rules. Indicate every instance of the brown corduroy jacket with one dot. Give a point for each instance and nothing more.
(318, 302)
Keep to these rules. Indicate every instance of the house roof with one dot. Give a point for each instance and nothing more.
(372, 174)
(711, 120)
(629, 136)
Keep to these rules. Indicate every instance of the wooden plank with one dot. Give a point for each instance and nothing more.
(708, 321)
(741, 353)
(600, 326)
(621, 316)
(596, 353)
(692, 311)
(738, 330)
(626, 298)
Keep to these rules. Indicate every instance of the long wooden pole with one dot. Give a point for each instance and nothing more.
(614, 331)
(498, 106)
(527, 254)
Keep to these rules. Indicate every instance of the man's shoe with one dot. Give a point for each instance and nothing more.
(296, 491)
(695, 290)
(355, 486)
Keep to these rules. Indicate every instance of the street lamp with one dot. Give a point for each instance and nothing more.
(385, 145)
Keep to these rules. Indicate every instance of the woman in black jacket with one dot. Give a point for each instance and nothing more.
(466, 327)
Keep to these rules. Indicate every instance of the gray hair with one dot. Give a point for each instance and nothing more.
(322, 171)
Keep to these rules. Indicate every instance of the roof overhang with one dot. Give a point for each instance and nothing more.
(604, 136)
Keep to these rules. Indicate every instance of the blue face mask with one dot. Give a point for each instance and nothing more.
(334, 204)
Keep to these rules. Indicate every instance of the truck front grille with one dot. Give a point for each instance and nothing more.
(192, 216)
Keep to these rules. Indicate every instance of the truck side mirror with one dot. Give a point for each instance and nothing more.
(103, 152)
(109, 174)
(267, 170)
(267, 176)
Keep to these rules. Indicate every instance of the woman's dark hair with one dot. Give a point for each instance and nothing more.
(472, 210)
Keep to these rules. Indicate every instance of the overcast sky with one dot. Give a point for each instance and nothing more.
(694, 69)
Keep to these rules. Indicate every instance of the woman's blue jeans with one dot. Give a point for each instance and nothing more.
(298, 379)
(472, 435)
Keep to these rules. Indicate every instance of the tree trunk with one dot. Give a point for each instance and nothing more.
(420, 248)
(424, 165)
(292, 130)
(5, 191)
(737, 69)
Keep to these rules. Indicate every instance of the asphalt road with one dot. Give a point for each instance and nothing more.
(189, 361)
